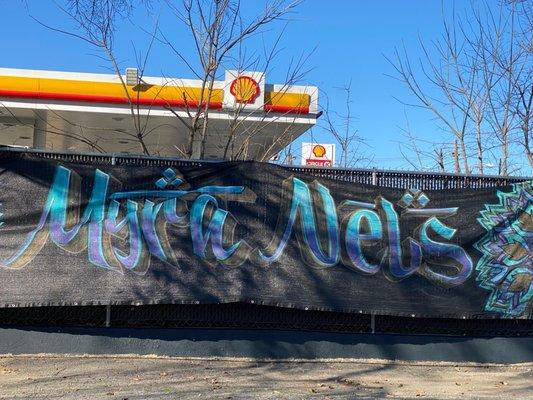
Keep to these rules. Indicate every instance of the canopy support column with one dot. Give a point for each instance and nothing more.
(39, 132)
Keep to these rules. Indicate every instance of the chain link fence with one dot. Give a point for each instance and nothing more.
(250, 316)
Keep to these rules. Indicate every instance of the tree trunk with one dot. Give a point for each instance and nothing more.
(465, 157)
(525, 129)
(505, 151)
(455, 154)
(479, 145)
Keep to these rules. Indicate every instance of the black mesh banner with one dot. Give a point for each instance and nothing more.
(80, 234)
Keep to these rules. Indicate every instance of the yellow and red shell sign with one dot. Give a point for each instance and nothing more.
(245, 89)
(319, 150)
(318, 154)
(240, 89)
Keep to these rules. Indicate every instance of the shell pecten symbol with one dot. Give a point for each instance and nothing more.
(319, 150)
(245, 89)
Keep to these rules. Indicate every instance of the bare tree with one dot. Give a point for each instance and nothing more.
(341, 127)
(247, 125)
(522, 107)
(476, 81)
(421, 154)
(522, 86)
(218, 30)
(219, 33)
(96, 22)
(448, 75)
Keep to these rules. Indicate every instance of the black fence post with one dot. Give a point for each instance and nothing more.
(108, 316)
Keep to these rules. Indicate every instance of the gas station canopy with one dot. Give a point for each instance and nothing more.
(79, 112)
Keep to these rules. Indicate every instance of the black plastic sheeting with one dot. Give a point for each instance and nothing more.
(291, 293)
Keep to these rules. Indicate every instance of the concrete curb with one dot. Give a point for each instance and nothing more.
(263, 344)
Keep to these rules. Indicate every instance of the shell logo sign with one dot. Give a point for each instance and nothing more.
(318, 154)
(245, 90)
(319, 150)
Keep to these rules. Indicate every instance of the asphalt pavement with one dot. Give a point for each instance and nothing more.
(127, 377)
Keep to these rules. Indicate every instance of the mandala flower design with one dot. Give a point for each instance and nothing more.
(506, 266)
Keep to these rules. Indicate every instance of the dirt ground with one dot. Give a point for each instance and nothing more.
(136, 377)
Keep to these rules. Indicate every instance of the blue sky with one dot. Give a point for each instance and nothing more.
(350, 38)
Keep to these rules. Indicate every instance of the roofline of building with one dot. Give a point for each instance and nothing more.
(162, 92)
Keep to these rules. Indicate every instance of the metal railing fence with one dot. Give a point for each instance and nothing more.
(380, 177)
